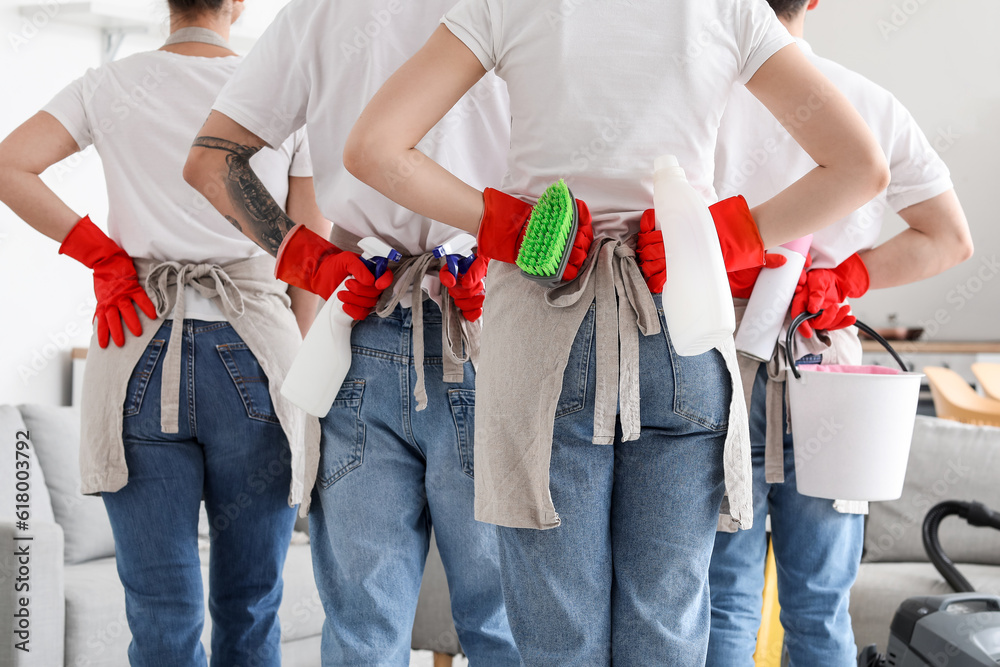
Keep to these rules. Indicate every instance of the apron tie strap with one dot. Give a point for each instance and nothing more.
(166, 284)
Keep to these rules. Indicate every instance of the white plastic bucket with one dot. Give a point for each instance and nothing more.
(852, 431)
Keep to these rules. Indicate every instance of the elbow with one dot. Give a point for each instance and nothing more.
(5, 179)
(953, 249)
(863, 169)
(964, 248)
(875, 172)
(882, 176)
(357, 153)
(363, 155)
(955, 237)
(197, 168)
(8, 172)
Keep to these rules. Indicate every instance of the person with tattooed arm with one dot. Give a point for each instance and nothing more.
(397, 445)
(186, 404)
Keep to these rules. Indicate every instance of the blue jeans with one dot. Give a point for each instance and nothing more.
(230, 451)
(624, 578)
(387, 474)
(817, 551)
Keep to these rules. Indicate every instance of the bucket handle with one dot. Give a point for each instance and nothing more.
(805, 317)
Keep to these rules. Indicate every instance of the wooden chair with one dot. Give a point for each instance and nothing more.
(954, 399)
(988, 376)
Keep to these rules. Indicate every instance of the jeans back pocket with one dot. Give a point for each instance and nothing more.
(702, 388)
(250, 380)
(343, 445)
(573, 396)
(139, 380)
(463, 410)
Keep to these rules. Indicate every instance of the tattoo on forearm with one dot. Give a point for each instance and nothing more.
(267, 223)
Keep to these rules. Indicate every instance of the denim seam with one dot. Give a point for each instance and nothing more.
(404, 387)
(379, 354)
(360, 434)
(395, 358)
(152, 356)
(192, 416)
(213, 326)
(458, 399)
(682, 412)
(580, 401)
(226, 354)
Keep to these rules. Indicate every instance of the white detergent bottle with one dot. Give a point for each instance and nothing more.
(321, 365)
(769, 302)
(697, 302)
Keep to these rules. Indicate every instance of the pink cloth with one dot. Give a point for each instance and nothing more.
(861, 370)
(800, 246)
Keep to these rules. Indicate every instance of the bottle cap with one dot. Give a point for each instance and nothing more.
(665, 162)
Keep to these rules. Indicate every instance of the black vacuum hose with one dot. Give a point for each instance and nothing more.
(976, 514)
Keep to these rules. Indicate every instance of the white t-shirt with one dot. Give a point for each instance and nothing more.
(600, 89)
(142, 113)
(320, 62)
(757, 158)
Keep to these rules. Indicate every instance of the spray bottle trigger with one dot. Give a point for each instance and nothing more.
(465, 263)
(459, 264)
(376, 265)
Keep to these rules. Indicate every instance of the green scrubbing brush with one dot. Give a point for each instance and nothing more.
(548, 240)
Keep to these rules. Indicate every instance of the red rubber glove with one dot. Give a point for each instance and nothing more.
(505, 221)
(116, 283)
(649, 250)
(467, 291)
(308, 261)
(742, 247)
(653, 263)
(741, 282)
(826, 290)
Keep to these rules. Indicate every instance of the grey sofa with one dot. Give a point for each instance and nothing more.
(948, 461)
(77, 604)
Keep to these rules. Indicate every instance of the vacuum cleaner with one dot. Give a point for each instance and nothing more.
(944, 630)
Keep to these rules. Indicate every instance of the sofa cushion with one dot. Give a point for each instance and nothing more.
(433, 628)
(301, 611)
(302, 652)
(40, 505)
(948, 461)
(881, 587)
(55, 432)
(97, 631)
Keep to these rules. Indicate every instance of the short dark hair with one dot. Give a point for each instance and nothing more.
(197, 7)
(787, 8)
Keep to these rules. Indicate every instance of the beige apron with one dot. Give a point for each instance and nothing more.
(257, 308)
(528, 332)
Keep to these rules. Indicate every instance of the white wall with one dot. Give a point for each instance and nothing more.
(941, 59)
(46, 299)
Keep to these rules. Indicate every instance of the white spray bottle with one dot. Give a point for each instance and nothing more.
(769, 302)
(697, 302)
(458, 253)
(322, 363)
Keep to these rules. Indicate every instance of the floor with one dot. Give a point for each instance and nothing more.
(426, 659)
